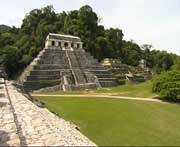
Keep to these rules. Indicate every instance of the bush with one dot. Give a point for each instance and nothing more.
(167, 85)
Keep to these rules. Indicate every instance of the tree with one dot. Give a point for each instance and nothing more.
(10, 59)
(147, 55)
(114, 38)
(101, 46)
(71, 23)
(131, 53)
(6, 39)
(87, 26)
(163, 61)
(4, 28)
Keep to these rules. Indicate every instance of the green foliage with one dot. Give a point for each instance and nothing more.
(100, 42)
(4, 28)
(158, 60)
(25, 60)
(176, 65)
(131, 52)
(10, 58)
(6, 38)
(102, 47)
(168, 85)
(114, 38)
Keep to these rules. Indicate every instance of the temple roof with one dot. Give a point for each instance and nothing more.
(64, 37)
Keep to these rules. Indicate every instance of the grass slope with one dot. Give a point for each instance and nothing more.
(143, 90)
(121, 122)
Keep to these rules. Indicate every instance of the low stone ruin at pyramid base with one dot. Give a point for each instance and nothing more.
(126, 73)
(64, 65)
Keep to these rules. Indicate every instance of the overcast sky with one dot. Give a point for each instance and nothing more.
(155, 22)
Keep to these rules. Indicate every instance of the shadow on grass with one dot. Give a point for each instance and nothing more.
(169, 100)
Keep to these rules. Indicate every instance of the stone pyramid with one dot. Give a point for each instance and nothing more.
(64, 65)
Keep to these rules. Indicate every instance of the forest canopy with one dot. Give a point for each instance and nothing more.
(18, 46)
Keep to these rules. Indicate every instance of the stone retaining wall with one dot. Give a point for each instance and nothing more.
(23, 123)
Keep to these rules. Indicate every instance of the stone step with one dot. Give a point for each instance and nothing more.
(108, 83)
(54, 61)
(94, 67)
(86, 57)
(40, 77)
(35, 85)
(44, 58)
(104, 75)
(97, 72)
(52, 55)
(107, 79)
(51, 66)
(45, 72)
(84, 86)
(54, 51)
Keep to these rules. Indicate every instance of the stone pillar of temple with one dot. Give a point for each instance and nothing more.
(75, 45)
(69, 44)
(56, 43)
(62, 43)
(81, 45)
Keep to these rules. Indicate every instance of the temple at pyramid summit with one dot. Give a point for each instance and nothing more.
(64, 65)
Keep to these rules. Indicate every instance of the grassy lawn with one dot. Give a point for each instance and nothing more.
(143, 90)
(110, 122)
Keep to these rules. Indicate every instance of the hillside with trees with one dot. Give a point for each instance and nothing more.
(18, 46)
(4, 28)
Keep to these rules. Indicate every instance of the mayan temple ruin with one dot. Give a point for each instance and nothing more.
(64, 65)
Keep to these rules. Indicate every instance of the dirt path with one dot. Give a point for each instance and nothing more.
(104, 96)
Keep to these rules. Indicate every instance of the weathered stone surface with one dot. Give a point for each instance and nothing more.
(8, 130)
(23, 123)
(37, 126)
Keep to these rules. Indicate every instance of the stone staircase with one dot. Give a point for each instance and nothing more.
(74, 66)
(91, 65)
(70, 69)
(27, 70)
(45, 70)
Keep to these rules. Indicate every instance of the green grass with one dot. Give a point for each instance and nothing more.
(143, 90)
(110, 122)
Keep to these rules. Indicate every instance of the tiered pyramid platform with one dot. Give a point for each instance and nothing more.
(66, 68)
